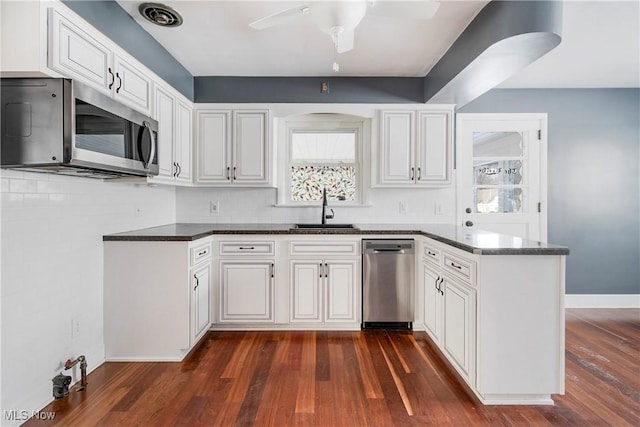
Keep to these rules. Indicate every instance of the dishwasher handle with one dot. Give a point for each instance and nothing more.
(382, 250)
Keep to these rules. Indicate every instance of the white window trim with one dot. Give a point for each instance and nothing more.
(320, 121)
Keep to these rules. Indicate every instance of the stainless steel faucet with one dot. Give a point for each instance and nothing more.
(325, 215)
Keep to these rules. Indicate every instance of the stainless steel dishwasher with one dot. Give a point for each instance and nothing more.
(388, 283)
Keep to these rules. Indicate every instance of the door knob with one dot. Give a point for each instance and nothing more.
(469, 223)
(468, 210)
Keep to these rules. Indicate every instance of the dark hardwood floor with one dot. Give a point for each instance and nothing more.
(372, 378)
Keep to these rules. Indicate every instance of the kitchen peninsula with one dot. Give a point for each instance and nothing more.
(492, 304)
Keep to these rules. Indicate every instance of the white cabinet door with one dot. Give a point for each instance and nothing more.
(200, 288)
(214, 143)
(432, 302)
(246, 291)
(433, 148)
(182, 149)
(306, 290)
(396, 158)
(250, 147)
(164, 114)
(459, 327)
(74, 53)
(340, 282)
(132, 86)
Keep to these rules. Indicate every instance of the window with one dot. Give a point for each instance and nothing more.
(323, 151)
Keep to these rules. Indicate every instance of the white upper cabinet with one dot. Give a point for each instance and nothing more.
(234, 148)
(414, 148)
(82, 54)
(174, 138)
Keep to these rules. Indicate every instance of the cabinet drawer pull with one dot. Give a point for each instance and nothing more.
(454, 265)
(247, 248)
(431, 253)
(202, 252)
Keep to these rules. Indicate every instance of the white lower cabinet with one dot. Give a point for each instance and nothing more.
(432, 301)
(200, 300)
(247, 291)
(323, 290)
(458, 335)
(156, 298)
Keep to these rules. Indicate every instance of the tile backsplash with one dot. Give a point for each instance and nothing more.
(51, 271)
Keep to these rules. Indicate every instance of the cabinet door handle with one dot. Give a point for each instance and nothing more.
(320, 270)
(412, 173)
(175, 169)
(197, 282)
(326, 270)
(179, 169)
(119, 83)
(419, 175)
(228, 175)
(273, 270)
(113, 78)
(437, 285)
(234, 173)
(454, 265)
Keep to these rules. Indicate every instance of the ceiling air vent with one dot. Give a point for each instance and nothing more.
(160, 14)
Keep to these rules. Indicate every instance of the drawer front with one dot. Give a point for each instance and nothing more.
(431, 253)
(324, 248)
(200, 253)
(462, 268)
(247, 248)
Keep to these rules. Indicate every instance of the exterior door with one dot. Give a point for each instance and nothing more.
(501, 173)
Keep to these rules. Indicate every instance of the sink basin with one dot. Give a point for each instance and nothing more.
(324, 227)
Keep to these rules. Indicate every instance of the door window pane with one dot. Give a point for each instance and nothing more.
(498, 172)
(498, 200)
(497, 144)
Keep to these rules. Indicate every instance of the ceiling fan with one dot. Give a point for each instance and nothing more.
(339, 19)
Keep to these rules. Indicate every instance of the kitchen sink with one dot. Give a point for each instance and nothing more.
(324, 227)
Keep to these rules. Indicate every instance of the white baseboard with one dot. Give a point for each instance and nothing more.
(602, 301)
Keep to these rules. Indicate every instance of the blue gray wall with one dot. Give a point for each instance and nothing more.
(120, 27)
(594, 179)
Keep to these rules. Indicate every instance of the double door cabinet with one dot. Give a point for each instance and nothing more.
(415, 148)
(234, 148)
(78, 52)
(497, 319)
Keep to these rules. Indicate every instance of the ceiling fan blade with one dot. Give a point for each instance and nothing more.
(279, 17)
(344, 41)
(420, 9)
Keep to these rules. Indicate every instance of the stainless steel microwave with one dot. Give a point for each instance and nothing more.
(62, 126)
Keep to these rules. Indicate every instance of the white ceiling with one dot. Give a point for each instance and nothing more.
(600, 43)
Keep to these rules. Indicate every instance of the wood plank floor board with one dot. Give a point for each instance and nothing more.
(357, 378)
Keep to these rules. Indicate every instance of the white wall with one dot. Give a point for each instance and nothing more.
(51, 270)
(250, 205)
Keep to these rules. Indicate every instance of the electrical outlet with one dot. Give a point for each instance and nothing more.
(403, 207)
(214, 207)
(137, 210)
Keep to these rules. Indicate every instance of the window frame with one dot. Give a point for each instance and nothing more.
(323, 122)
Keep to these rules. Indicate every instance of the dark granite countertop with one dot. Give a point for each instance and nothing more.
(473, 241)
